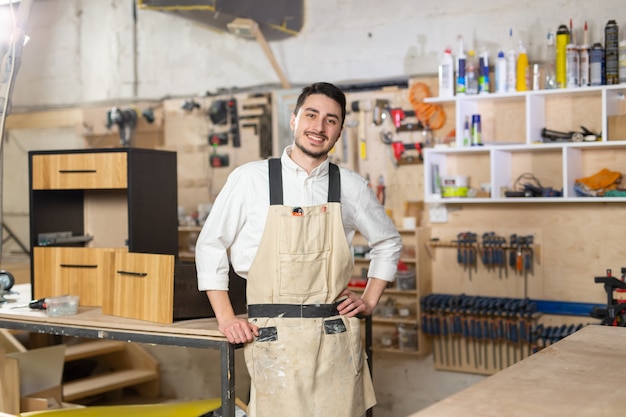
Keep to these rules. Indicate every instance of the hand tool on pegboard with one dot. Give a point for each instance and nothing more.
(360, 107)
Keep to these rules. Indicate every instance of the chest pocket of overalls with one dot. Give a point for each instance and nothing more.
(304, 249)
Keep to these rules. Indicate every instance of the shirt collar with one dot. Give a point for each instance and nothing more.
(287, 162)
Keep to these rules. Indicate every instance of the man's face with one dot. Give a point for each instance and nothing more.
(317, 125)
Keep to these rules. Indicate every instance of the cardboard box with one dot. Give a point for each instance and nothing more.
(40, 378)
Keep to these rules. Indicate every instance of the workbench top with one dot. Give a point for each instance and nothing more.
(92, 317)
(581, 375)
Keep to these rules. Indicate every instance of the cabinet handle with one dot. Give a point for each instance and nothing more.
(136, 274)
(77, 171)
(78, 266)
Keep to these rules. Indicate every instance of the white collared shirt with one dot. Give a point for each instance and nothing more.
(235, 224)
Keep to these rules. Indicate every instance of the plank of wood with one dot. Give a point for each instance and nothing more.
(9, 343)
(579, 375)
(93, 348)
(9, 385)
(99, 384)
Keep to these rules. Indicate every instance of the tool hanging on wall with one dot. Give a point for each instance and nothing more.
(126, 121)
(361, 107)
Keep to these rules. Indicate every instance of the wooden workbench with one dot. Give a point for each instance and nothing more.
(581, 375)
(89, 322)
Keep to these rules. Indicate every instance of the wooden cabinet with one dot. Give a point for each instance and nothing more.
(511, 133)
(100, 198)
(396, 320)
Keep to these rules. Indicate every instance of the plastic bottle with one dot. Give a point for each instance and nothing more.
(460, 69)
(550, 61)
(522, 74)
(622, 61)
(483, 70)
(471, 74)
(511, 66)
(611, 53)
(500, 73)
(562, 39)
(466, 132)
(446, 74)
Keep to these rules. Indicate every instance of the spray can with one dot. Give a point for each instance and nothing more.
(483, 67)
(550, 61)
(476, 138)
(522, 78)
(562, 39)
(596, 64)
(611, 52)
(573, 65)
(622, 61)
(500, 73)
(446, 74)
(460, 69)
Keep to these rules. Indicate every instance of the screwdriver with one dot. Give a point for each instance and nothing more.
(39, 304)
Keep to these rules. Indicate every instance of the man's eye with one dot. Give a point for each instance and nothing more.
(332, 121)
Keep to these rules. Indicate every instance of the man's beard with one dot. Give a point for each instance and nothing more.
(307, 152)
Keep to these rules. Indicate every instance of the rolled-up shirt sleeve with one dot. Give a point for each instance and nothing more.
(218, 233)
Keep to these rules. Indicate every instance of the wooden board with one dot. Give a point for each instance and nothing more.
(580, 375)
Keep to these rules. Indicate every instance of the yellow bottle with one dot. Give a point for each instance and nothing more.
(522, 69)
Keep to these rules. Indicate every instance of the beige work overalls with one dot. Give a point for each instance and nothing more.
(307, 360)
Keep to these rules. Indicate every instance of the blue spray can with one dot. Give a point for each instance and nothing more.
(596, 64)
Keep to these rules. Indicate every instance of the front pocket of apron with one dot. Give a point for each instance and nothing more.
(306, 234)
(303, 275)
(350, 330)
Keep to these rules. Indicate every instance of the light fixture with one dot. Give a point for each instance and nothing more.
(248, 28)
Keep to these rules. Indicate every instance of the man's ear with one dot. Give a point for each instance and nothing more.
(292, 122)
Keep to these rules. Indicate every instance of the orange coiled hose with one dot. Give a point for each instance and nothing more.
(430, 114)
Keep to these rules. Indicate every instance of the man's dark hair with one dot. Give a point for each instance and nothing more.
(327, 89)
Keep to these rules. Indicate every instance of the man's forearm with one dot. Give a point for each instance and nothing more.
(373, 291)
(221, 305)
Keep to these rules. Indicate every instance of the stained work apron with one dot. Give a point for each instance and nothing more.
(308, 360)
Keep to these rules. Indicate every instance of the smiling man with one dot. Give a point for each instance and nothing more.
(286, 225)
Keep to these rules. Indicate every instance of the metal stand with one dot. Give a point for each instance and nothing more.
(12, 236)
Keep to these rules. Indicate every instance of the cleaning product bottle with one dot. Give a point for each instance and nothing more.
(460, 69)
(471, 74)
(522, 76)
(500, 73)
(550, 75)
(511, 66)
(483, 70)
(562, 39)
(446, 74)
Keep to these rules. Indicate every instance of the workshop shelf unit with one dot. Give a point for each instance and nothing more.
(400, 308)
(98, 200)
(512, 142)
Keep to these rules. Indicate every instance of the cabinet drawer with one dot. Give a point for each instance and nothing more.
(141, 286)
(76, 271)
(79, 171)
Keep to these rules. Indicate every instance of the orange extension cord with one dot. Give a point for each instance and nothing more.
(431, 115)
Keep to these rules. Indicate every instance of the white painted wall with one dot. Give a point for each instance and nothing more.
(83, 52)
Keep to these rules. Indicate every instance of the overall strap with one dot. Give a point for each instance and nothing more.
(276, 182)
